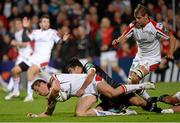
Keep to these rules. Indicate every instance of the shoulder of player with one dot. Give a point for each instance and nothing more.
(132, 24)
(88, 66)
(52, 30)
(156, 25)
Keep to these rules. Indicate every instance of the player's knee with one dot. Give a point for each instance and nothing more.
(14, 71)
(133, 79)
(135, 76)
(139, 102)
(80, 113)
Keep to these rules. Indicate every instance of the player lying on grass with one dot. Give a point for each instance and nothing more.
(169, 99)
(70, 83)
(75, 66)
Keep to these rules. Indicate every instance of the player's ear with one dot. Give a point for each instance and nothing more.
(146, 16)
(40, 24)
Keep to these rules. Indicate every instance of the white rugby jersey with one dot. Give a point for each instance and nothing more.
(44, 42)
(71, 83)
(23, 52)
(147, 38)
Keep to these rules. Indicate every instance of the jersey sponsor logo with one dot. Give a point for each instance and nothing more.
(159, 25)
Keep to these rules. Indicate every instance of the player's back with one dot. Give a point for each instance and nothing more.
(71, 83)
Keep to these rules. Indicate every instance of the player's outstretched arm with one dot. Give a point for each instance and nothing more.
(120, 39)
(48, 112)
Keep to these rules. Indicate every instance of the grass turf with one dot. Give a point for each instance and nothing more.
(16, 110)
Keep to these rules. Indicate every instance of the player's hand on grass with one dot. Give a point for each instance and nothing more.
(80, 92)
(31, 115)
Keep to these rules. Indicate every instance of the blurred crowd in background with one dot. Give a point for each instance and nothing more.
(93, 24)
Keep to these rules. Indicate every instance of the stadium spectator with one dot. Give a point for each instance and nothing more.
(146, 33)
(108, 54)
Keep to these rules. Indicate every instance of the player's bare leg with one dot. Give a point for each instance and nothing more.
(16, 78)
(107, 90)
(31, 73)
(136, 76)
(84, 106)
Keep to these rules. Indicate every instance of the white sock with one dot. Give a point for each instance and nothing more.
(167, 111)
(103, 113)
(145, 95)
(29, 89)
(123, 75)
(10, 84)
(16, 84)
(130, 88)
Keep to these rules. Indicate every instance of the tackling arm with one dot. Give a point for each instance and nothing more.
(126, 34)
(90, 75)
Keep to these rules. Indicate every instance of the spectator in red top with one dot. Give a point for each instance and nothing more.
(108, 55)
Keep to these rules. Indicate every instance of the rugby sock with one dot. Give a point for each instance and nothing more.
(122, 74)
(145, 95)
(167, 111)
(16, 84)
(103, 113)
(10, 84)
(131, 88)
(29, 89)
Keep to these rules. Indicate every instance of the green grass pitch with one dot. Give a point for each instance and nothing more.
(16, 110)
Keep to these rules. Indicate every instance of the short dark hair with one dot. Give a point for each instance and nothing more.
(17, 19)
(44, 16)
(74, 62)
(141, 9)
(38, 82)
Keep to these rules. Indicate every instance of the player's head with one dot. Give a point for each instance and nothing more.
(44, 22)
(18, 24)
(74, 66)
(41, 87)
(141, 15)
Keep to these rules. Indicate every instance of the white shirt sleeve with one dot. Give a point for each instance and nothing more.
(31, 35)
(55, 37)
(129, 30)
(161, 31)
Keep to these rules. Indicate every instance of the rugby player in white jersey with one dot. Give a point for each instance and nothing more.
(24, 52)
(44, 38)
(71, 83)
(147, 34)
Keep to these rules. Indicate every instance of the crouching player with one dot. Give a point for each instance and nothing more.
(70, 83)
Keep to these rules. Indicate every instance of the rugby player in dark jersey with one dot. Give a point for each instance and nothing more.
(115, 104)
